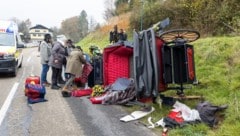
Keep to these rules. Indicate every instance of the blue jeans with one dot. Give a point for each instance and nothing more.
(45, 68)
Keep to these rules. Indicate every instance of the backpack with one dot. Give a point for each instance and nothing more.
(35, 93)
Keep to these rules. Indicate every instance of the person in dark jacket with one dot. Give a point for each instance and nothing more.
(45, 53)
(56, 61)
(122, 36)
(113, 35)
(70, 46)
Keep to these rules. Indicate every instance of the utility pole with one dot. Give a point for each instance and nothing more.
(141, 21)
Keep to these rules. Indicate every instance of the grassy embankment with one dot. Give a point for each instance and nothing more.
(100, 37)
(217, 61)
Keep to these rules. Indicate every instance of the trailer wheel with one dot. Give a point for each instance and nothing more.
(180, 34)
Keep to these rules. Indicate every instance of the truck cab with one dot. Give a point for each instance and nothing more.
(11, 46)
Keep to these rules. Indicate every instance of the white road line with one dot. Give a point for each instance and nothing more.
(7, 103)
(29, 58)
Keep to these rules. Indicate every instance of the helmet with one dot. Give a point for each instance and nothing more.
(93, 47)
(96, 51)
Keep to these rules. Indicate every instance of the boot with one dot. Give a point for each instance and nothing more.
(66, 92)
(60, 79)
(55, 87)
(65, 88)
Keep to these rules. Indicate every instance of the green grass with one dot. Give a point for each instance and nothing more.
(97, 39)
(217, 62)
(217, 66)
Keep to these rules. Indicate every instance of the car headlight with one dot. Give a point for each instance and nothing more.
(8, 56)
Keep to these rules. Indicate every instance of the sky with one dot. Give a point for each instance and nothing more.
(50, 13)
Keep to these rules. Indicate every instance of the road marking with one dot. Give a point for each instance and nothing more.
(7, 103)
(29, 58)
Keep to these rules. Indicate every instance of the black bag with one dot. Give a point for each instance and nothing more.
(96, 75)
(98, 70)
(64, 61)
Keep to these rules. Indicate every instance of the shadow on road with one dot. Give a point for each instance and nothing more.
(6, 75)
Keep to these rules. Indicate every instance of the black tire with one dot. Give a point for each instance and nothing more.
(14, 73)
(20, 64)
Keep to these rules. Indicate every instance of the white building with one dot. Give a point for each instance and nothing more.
(37, 33)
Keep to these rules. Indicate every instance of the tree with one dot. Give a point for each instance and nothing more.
(70, 28)
(122, 6)
(92, 24)
(136, 16)
(83, 24)
(110, 9)
(76, 27)
(55, 31)
(16, 20)
(216, 17)
(23, 27)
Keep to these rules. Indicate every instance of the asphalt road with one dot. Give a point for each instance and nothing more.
(75, 116)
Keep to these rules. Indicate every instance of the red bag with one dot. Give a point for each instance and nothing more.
(79, 93)
(176, 115)
(32, 80)
(35, 93)
(97, 99)
(87, 68)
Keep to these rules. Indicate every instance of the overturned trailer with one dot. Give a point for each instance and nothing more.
(162, 60)
(155, 60)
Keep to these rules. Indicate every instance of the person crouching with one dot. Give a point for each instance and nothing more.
(73, 68)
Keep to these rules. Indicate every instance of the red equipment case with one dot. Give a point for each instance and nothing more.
(32, 79)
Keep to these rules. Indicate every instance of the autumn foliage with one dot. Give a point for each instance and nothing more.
(121, 21)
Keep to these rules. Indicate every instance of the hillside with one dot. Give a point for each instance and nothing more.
(218, 72)
(100, 37)
(217, 65)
